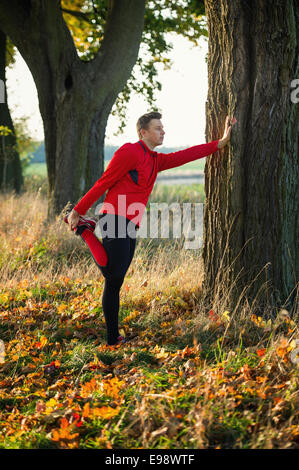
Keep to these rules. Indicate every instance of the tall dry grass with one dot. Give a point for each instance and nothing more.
(37, 251)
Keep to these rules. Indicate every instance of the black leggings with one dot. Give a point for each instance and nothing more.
(120, 247)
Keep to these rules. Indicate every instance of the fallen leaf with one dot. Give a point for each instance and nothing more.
(261, 352)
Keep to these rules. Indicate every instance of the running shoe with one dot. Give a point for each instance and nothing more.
(87, 222)
(120, 340)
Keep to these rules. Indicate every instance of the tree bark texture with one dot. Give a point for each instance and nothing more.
(75, 97)
(251, 211)
(10, 165)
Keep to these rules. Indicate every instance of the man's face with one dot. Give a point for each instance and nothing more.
(155, 132)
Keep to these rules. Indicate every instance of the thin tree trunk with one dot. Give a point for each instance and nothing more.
(251, 211)
(11, 177)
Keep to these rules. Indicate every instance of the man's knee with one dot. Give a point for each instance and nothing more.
(115, 281)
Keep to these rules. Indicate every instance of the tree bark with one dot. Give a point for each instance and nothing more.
(11, 177)
(75, 97)
(251, 211)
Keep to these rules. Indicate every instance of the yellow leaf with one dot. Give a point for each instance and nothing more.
(50, 405)
(106, 412)
(225, 316)
(293, 344)
(61, 308)
(42, 342)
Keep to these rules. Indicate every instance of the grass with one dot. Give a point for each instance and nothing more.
(194, 377)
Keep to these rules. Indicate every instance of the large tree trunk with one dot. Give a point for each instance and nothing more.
(11, 177)
(251, 212)
(75, 97)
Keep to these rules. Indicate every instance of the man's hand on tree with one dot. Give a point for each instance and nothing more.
(227, 131)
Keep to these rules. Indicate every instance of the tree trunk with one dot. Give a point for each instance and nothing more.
(11, 177)
(251, 211)
(75, 97)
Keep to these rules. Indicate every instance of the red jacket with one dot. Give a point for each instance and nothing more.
(130, 177)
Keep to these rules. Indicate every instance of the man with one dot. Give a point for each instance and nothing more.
(129, 179)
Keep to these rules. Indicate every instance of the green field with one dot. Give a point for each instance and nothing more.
(35, 180)
(196, 166)
(36, 169)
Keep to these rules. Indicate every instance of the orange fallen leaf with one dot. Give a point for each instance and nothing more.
(277, 400)
(261, 379)
(261, 352)
(105, 412)
(64, 432)
(40, 344)
(86, 410)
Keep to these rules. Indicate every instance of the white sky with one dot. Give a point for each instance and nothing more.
(181, 100)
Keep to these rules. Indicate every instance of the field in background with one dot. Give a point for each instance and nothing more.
(196, 166)
(39, 169)
(195, 376)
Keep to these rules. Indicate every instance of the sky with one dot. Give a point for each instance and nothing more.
(181, 100)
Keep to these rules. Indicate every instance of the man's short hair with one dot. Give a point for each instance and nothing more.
(145, 119)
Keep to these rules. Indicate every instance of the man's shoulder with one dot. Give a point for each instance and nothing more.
(129, 146)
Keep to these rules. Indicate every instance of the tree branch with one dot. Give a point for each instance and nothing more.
(119, 49)
(77, 14)
(38, 30)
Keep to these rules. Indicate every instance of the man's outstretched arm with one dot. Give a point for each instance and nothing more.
(174, 159)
